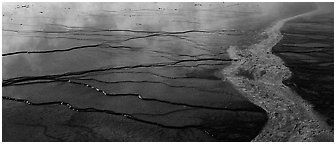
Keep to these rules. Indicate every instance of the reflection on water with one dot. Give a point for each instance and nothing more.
(152, 63)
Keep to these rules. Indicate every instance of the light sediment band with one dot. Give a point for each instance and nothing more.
(258, 75)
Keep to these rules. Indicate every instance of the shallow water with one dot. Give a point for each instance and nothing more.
(141, 65)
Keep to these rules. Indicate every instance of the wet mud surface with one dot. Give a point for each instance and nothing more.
(127, 72)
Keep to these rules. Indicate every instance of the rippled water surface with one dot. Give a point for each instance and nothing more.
(128, 71)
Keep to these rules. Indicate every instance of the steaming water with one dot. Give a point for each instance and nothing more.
(137, 71)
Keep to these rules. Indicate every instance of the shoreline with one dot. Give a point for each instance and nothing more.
(258, 74)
